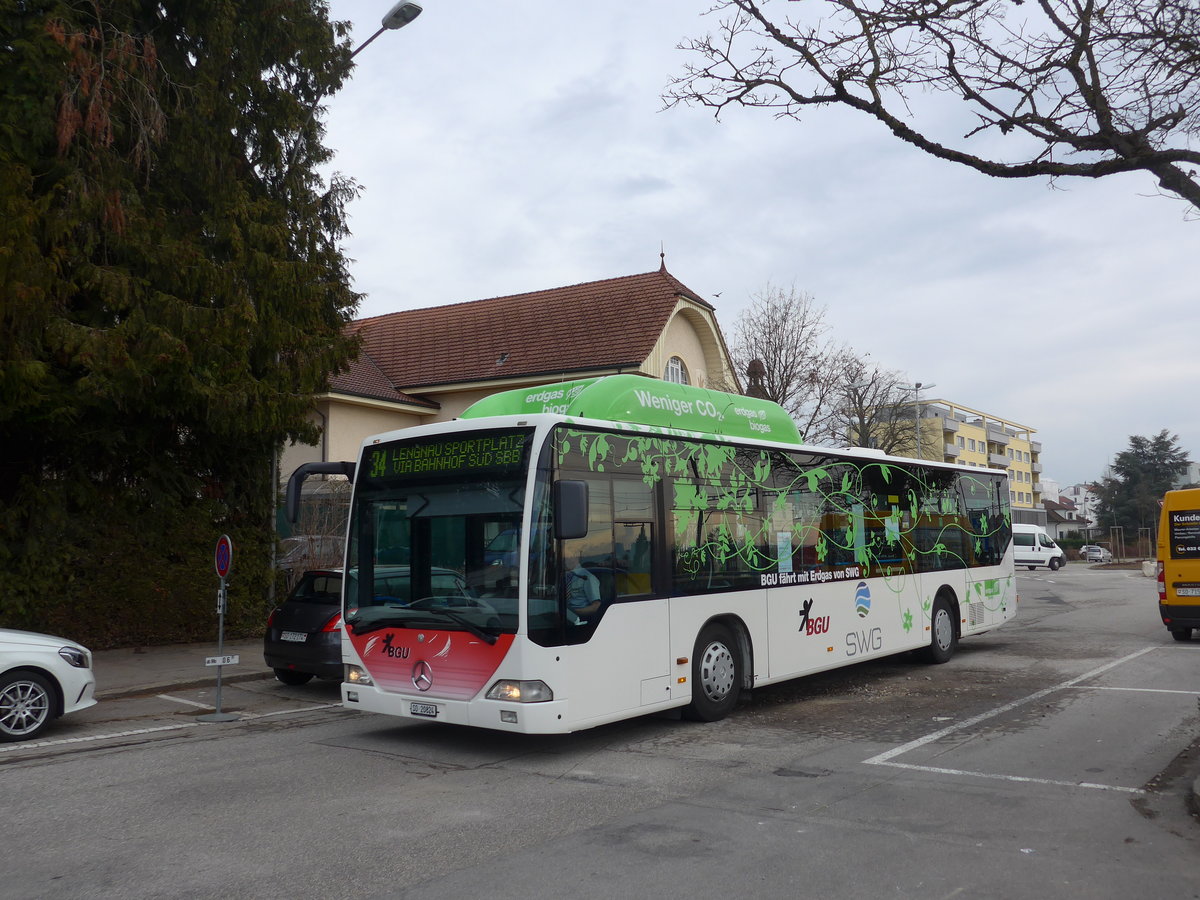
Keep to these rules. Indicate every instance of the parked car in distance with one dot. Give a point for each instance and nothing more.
(1095, 553)
(41, 678)
(304, 634)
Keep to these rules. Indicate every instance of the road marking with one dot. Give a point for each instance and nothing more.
(288, 712)
(1097, 687)
(885, 758)
(95, 737)
(187, 702)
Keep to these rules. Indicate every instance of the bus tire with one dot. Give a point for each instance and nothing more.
(1181, 634)
(716, 675)
(1053, 565)
(943, 636)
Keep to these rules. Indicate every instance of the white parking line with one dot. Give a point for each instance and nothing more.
(885, 759)
(182, 700)
(94, 737)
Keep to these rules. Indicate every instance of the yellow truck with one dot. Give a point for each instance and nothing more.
(1179, 562)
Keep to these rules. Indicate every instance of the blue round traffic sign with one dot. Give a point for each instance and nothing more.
(224, 555)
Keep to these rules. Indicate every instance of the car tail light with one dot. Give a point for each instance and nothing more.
(334, 624)
(1162, 582)
(271, 617)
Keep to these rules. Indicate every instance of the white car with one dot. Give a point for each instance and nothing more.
(41, 678)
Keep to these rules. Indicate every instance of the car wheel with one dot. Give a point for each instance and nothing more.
(26, 705)
(1181, 634)
(290, 676)
(1054, 565)
(716, 675)
(1031, 568)
(943, 637)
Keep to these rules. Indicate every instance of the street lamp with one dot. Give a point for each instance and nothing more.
(396, 17)
(916, 389)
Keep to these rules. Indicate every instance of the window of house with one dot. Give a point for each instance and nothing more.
(962, 441)
(971, 444)
(676, 371)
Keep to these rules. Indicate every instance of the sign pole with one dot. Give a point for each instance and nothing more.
(223, 561)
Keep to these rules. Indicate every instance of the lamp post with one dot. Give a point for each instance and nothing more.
(394, 19)
(916, 389)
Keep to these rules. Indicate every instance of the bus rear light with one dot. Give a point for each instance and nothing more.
(520, 691)
(357, 675)
(1161, 577)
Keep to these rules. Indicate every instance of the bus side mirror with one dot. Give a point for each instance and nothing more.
(570, 509)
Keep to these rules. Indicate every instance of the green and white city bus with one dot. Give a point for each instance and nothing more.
(674, 546)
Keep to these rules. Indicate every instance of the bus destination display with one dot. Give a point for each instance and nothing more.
(488, 453)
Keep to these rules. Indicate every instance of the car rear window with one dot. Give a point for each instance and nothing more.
(318, 588)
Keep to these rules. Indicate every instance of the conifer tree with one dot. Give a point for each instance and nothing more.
(173, 293)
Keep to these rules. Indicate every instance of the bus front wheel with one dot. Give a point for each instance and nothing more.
(943, 636)
(716, 675)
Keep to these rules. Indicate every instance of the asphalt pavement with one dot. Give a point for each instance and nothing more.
(145, 670)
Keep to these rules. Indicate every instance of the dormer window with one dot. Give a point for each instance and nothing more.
(676, 371)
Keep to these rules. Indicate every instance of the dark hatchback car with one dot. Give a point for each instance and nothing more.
(304, 634)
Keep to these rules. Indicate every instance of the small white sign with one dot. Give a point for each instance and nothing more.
(222, 660)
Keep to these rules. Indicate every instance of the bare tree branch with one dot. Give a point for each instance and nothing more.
(1070, 87)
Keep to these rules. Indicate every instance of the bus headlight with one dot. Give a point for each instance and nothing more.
(520, 691)
(357, 675)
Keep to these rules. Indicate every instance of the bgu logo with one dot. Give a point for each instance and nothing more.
(810, 624)
(394, 652)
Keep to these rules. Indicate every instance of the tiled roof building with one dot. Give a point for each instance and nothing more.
(428, 365)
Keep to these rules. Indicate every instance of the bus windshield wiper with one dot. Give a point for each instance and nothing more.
(462, 622)
(419, 617)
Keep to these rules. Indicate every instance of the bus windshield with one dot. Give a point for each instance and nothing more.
(426, 520)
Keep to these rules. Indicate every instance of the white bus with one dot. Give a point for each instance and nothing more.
(674, 546)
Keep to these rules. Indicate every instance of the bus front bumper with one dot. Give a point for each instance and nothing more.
(549, 717)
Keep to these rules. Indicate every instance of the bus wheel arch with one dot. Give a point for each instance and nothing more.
(720, 669)
(944, 630)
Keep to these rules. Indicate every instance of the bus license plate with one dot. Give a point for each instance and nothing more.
(1189, 591)
(429, 710)
(298, 636)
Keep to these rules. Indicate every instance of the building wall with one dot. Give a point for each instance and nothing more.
(974, 438)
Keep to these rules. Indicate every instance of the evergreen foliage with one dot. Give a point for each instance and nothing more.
(174, 294)
(1129, 496)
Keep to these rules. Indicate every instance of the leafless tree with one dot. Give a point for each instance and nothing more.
(875, 410)
(1054, 88)
(784, 332)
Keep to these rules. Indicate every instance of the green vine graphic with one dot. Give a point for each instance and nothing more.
(751, 510)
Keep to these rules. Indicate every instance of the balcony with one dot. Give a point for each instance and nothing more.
(1035, 446)
(997, 435)
(951, 451)
(998, 459)
(1036, 467)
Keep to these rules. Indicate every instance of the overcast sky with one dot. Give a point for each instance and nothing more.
(517, 146)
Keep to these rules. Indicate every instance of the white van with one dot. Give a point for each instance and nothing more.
(1033, 547)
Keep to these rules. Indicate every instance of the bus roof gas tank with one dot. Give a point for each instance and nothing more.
(647, 401)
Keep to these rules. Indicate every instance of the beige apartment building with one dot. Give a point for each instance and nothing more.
(952, 432)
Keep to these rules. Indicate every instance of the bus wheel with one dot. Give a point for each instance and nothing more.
(1054, 565)
(942, 636)
(716, 675)
(1181, 634)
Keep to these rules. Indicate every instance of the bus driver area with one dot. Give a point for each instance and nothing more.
(659, 554)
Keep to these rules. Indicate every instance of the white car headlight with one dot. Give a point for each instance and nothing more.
(74, 656)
